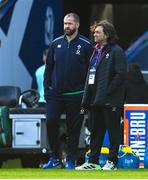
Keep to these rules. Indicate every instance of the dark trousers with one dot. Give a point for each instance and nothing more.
(54, 109)
(102, 119)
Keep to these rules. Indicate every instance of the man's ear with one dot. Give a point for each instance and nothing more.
(78, 25)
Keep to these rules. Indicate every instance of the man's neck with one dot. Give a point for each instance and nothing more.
(70, 38)
(103, 44)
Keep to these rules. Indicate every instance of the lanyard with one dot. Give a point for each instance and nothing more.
(95, 60)
(99, 54)
(99, 50)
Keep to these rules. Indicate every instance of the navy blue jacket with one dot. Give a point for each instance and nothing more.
(67, 65)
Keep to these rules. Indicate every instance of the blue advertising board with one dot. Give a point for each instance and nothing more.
(136, 128)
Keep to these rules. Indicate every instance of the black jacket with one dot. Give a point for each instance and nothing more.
(109, 86)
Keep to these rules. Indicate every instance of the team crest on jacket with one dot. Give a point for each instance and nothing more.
(107, 55)
(59, 46)
(78, 49)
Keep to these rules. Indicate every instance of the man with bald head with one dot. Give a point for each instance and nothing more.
(64, 79)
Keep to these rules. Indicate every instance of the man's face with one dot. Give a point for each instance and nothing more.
(99, 36)
(70, 26)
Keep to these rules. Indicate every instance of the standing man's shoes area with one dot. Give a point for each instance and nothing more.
(70, 164)
(88, 166)
(91, 166)
(109, 166)
(55, 163)
(52, 163)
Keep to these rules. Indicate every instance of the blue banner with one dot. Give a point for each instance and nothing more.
(137, 131)
(26, 31)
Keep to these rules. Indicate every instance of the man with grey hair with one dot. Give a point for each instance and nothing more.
(64, 80)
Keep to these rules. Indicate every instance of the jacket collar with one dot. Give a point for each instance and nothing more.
(77, 37)
(105, 49)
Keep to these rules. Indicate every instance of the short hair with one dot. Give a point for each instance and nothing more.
(108, 30)
(74, 15)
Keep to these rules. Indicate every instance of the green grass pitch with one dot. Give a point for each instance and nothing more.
(26, 173)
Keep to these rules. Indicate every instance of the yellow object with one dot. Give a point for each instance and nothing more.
(127, 150)
(104, 150)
